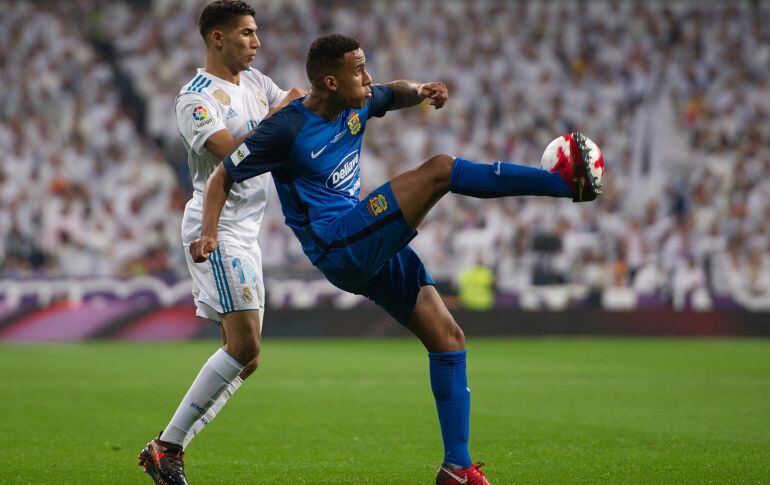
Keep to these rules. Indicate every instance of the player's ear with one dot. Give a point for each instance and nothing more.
(217, 38)
(330, 82)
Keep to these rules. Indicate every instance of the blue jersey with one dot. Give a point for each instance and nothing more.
(314, 163)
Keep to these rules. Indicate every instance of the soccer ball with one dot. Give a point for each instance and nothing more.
(579, 161)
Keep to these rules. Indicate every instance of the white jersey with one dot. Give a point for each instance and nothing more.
(206, 105)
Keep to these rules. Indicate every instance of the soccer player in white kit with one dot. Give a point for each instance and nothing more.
(215, 111)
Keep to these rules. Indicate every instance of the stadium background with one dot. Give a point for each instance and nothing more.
(93, 180)
(677, 94)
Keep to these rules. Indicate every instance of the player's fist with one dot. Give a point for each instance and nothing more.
(202, 247)
(436, 92)
(295, 93)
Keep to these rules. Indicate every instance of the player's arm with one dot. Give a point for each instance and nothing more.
(411, 93)
(215, 195)
(222, 143)
(265, 149)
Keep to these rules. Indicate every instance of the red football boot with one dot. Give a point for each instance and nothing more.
(448, 475)
(164, 464)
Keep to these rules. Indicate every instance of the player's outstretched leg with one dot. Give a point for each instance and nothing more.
(418, 190)
(434, 325)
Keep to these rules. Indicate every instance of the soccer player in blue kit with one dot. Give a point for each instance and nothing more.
(312, 148)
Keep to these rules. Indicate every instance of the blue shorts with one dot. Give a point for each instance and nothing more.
(368, 255)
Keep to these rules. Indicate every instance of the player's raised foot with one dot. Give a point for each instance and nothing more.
(164, 464)
(580, 163)
(450, 475)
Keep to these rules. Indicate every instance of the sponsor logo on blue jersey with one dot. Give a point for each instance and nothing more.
(345, 173)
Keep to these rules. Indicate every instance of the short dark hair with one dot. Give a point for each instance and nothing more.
(327, 53)
(222, 13)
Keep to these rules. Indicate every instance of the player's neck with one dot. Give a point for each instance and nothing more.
(322, 105)
(223, 72)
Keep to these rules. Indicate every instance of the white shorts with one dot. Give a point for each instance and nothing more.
(231, 280)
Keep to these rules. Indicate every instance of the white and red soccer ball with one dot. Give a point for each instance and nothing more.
(564, 155)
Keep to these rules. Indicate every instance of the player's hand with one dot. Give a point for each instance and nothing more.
(436, 92)
(294, 93)
(202, 247)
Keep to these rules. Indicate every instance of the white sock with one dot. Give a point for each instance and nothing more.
(213, 379)
(213, 410)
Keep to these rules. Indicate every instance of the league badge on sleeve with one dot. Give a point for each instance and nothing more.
(354, 124)
(201, 117)
(239, 154)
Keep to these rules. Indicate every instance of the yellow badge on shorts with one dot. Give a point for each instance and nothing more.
(246, 294)
(378, 204)
(354, 124)
(222, 97)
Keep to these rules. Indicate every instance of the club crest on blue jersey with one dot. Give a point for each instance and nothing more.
(344, 174)
(354, 124)
(377, 205)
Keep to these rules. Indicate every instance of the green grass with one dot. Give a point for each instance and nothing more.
(360, 411)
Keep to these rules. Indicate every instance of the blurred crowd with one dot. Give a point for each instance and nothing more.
(93, 177)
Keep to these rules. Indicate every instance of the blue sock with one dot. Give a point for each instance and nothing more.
(453, 402)
(500, 179)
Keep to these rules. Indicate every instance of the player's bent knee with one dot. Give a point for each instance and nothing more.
(245, 351)
(250, 368)
(439, 168)
(456, 336)
(440, 164)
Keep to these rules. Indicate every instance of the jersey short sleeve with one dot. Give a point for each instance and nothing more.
(381, 101)
(266, 149)
(274, 94)
(197, 119)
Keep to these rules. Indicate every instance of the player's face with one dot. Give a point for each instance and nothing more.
(240, 43)
(353, 80)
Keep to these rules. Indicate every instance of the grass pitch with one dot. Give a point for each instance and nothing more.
(360, 411)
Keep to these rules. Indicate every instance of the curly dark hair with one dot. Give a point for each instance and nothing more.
(222, 13)
(327, 53)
